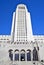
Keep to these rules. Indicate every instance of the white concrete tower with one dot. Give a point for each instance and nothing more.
(21, 24)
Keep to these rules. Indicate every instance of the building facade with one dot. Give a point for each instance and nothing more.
(21, 44)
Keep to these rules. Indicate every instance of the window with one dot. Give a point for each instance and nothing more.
(22, 56)
(11, 54)
(35, 55)
(21, 7)
(28, 55)
(17, 57)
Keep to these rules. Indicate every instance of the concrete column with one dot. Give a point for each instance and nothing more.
(19, 55)
(13, 55)
(31, 55)
(25, 56)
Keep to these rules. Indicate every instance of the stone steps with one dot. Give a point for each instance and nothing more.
(20, 63)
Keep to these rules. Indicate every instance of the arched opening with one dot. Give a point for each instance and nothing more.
(16, 55)
(11, 54)
(35, 54)
(28, 55)
(22, 55)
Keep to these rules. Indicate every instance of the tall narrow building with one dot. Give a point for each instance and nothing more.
(21, 47)
(21, 26)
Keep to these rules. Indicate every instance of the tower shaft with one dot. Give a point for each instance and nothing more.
(22, 28)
